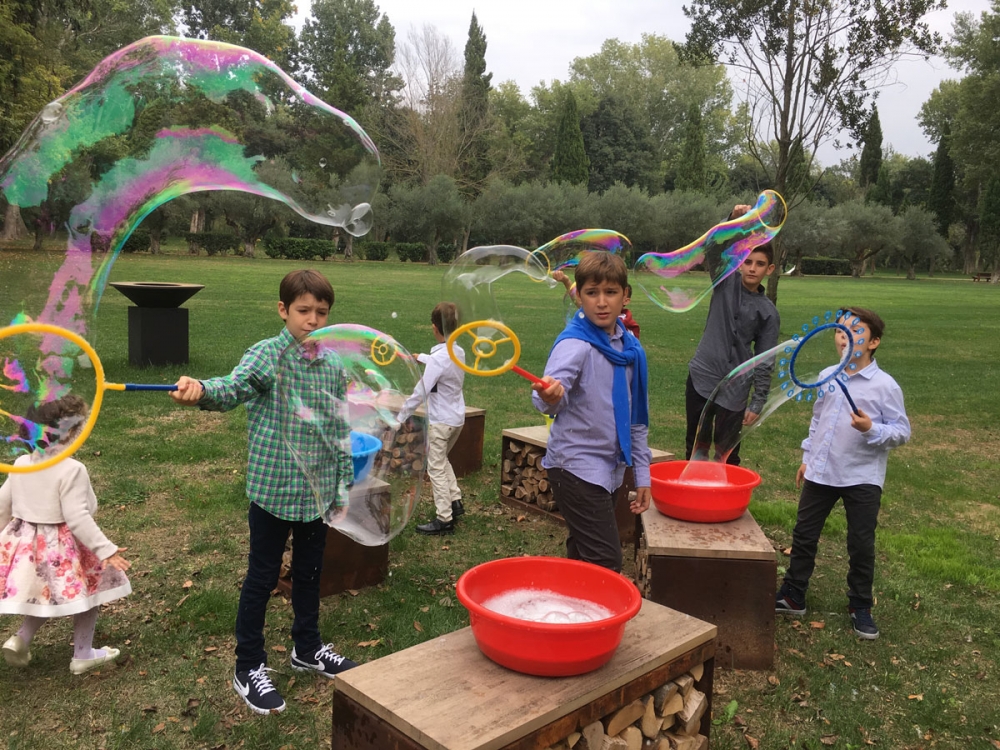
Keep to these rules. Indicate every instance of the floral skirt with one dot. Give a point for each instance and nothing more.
(46, 572)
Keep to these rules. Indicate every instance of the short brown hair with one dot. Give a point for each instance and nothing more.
(445, 317)
(876, 326)
(58, 418)
(768, 249)
(599, 266)
(305, 281)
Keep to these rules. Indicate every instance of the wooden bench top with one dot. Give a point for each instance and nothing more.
(538, 435)
(446, 695)
(395, 401)
(741, 539)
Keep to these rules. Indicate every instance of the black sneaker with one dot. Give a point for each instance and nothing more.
(257, 691)
(436, 527)
(864, 624)
(784, 604)
(326, 661)
(457, 509)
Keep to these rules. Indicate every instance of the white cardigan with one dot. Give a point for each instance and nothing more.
(58, 494)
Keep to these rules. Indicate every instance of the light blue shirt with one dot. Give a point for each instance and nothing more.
(583, 439)
(837, 455)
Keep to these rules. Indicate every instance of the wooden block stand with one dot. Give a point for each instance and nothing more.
(466, 456)
(537, 438)
(445, 695)
(346, 563)
(723, 573)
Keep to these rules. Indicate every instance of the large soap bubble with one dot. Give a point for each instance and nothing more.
(158, 119)
(565, 251)
(470, 278)
(351, 421)
(812, 364)
(724, 247)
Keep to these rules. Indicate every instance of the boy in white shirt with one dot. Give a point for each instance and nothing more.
(441, 386)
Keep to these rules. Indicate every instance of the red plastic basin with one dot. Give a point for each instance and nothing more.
(709, 492)
(543, 648)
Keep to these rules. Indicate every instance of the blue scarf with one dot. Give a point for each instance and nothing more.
(579, 327)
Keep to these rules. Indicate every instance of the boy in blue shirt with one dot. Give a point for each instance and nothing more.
(281, 500)
(844, 457)
(595, 387)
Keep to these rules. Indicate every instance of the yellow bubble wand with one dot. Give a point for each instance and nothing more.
(484, 348)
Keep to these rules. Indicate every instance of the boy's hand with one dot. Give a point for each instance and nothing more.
(118, 562)
(550, 390)
(642, 497)
(739, 210)
(749, 417)
(800, 475)
(189, 391)
(861, 421)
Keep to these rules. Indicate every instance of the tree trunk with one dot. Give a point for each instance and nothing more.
(154, 241)
(349, 248)
(911, 271)
(248, 248)
(13, 224)
(432, 247)
(465, 238)
(39, 235)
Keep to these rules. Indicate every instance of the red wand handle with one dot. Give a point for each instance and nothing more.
(527, 375)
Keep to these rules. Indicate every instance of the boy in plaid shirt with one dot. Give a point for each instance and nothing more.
(281, 500)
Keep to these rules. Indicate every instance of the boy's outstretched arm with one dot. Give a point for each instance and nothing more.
(189, 391)
(549, 390)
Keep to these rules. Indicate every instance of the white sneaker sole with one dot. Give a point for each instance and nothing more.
(252, 707)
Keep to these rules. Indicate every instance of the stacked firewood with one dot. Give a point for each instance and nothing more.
(643, 576)
(407, 451)
(522, 476)
(669, 718)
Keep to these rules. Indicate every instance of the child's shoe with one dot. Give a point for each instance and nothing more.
(326, 661)
(15, 652)
(864, 624)
(437, 527)
(457, 509)
(254, 686)
(784, 604)
(79, 666)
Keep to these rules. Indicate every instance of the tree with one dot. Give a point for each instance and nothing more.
(864, 230)
(428, 213)
(989, 228)
(871, 153)
(347, 50)
(618, 148)
(810, 68)
(881, 191)
(691, 168)
(474, 111)
(256, 24)
(920, 243)
(941, 199)
(569, 161)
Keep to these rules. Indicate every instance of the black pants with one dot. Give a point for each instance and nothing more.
(589, 510)
(723, 423)
(862, 503)
(268, 535)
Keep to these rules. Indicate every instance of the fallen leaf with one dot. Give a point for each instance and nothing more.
(996, 744)
(417, 626)
(836, 657)
(182, 600)
(369, 644)
(149, 709)
(210, 649)
(279, 648)
(829, 739)
(521, 518)
(159, 728)
(787, 551)
(446, 548)
(773, 680)
(353, 592)
(916, 697)
(425, 609)
(752, 742)
(187, 584)
(817, 625)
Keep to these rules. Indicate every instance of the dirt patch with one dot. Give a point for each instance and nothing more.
(981, 517)
(929, 438)
(179, 420)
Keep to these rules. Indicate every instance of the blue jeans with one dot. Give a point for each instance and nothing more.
(268, 534)
(861, 503)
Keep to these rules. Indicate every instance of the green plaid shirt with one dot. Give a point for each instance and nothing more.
(304, 418)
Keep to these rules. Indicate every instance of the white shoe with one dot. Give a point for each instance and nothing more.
(15, 652)
(79, 666)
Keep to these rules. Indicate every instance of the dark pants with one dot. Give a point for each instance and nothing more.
(723, 423)
(589, 510)
(861, 502)
(268, 534)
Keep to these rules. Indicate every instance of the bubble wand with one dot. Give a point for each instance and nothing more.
(485, 348)
(835, 374)
(95, 408)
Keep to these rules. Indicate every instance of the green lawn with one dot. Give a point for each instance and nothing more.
(170, 484)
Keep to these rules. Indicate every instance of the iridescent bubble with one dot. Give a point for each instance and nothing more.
(724, 247)
(565, 251)
(158, 119)
(351, 421)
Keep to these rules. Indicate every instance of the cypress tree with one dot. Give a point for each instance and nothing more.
(569, 161)
(871, 154)
(691, 174)
(881, 191)
(475, 109)
(942, 194)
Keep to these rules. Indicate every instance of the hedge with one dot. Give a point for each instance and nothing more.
(213, 243)
(137, 242)
(826, 267)
(415, 252)
(372, 250)
(297, 248)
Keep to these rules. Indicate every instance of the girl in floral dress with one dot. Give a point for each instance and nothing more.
(54, 560)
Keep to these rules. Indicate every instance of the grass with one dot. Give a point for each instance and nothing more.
(170, 485)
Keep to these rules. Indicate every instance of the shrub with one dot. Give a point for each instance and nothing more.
(415, 252)
(372, 250)
(826, 267)
(137, 242)
(447, 253)
(297, 248)
(213, 243)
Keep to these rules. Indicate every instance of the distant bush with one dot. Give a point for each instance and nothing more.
(372, 250)
(137, 242)
(826, 267)
(446, 253)
(213, 243)
(415, 252)
(298, 248)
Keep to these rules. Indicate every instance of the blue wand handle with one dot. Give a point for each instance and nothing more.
(843, 387)
(144, 387)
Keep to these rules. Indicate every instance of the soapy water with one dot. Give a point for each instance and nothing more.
(541, 605)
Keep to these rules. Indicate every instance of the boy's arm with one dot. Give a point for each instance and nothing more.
(893, 429)
(251, 377)
(564, 365)
(765, 340)
(432, 372)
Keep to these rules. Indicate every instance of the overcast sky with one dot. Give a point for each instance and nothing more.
(530, 41)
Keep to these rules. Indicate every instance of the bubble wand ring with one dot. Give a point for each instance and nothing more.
(835, 375)
(485, 348)
(95, 408)
(383, 351)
